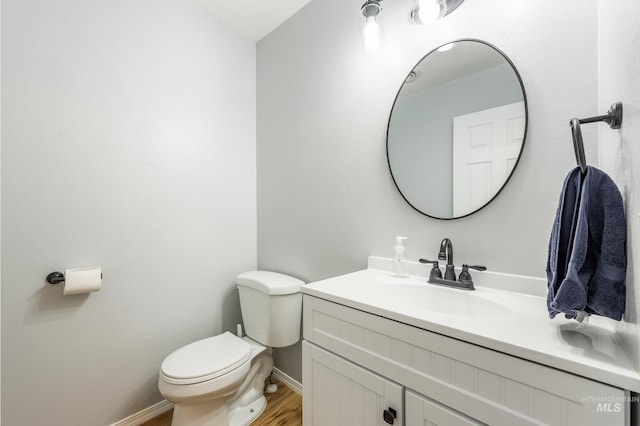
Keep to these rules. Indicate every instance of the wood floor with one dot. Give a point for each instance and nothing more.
(284, 407)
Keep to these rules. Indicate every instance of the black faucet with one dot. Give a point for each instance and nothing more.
(446, 253)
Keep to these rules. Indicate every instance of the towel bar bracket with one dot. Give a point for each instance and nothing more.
(613, 117)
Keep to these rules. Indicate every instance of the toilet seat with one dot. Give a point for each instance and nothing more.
(205, 359)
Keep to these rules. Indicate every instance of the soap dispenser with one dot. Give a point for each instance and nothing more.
(399, 262)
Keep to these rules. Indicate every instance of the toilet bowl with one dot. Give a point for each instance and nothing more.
(220, 380)
(204, 378)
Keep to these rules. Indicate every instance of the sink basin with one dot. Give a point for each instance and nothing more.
(448, 301)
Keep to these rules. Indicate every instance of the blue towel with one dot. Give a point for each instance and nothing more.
(587, 261)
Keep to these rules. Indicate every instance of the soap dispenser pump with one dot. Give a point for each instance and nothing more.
(399, 262)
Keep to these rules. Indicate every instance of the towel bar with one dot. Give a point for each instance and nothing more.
(613, 118)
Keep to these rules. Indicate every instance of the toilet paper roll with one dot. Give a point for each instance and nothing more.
(82, 280)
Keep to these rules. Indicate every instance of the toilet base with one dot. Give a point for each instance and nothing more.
(249, 401)
(241, 416)
(211, 413)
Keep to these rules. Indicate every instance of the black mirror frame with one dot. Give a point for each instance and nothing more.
(524, 136)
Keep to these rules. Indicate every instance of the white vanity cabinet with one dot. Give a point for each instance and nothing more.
(345, 394)
(356, 365)
(421, 410)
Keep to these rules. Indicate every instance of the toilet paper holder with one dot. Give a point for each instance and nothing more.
(55, 278)
(58, 277)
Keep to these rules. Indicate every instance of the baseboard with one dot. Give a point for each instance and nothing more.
(295, 385)
(146, 414)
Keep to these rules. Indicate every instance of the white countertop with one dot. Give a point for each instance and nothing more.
(523, 329)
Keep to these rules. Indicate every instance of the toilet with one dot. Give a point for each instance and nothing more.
(220, 380)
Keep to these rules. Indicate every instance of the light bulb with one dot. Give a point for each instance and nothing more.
(372, 43)
(372, 37)
(371, 28)
(427, 11)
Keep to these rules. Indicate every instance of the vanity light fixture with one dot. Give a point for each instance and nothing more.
(425, 11)
(370, 24)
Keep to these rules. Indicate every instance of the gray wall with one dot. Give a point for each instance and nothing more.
(326, 199)
(128, 132)
(128, 142)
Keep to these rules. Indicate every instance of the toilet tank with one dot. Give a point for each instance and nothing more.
(271, 305)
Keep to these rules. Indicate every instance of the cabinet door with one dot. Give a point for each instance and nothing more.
(337, 392)
(420, 410)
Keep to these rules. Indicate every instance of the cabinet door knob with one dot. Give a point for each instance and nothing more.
(389, 415)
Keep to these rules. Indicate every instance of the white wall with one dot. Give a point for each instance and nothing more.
(619, 72)
(128, 141)
(326, 199)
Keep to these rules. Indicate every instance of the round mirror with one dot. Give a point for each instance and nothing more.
(457, 129)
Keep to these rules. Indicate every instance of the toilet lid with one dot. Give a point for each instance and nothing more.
(271, 283)
(206, 359)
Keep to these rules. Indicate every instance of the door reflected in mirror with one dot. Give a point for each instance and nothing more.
(457, 129)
